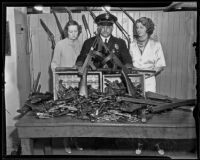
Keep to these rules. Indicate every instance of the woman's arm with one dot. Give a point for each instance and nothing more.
(160, 61)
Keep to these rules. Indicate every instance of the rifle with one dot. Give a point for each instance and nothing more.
(140, 101)
(91, 13)
(50, 34)
(165, 107)
(127, 36)
(89, 57)
(88, 36)
(83, 70)
(59, 25)
(69, 13)
(86, 26)
(134, 25)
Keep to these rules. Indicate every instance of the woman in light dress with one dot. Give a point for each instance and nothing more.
(147, 53)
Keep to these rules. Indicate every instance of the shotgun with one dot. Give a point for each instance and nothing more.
(59, 25)
(50, 34)
(86, 26)
(127, 36)
(134, 25)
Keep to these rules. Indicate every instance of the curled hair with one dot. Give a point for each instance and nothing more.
(72, 23)
(148, 23)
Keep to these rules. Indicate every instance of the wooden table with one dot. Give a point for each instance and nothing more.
(174, 124)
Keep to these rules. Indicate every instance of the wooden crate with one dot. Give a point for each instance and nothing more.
(71, 78)
(135, 79)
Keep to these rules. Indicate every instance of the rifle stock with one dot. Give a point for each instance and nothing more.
(83, 91)
(59, 25)
(50, 34)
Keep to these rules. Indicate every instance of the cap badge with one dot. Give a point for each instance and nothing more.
(107, 16)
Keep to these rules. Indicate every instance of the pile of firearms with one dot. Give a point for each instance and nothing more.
(99, 106)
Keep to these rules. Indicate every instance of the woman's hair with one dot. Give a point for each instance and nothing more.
(148, 23)
(72, 23)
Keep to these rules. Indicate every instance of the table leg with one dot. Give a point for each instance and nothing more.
(27, 146)
(48, 147)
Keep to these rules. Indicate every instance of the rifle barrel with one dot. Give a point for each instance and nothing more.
(134, 28)
(120, 27)
(91, 13)
(127, 15)
(86, 26)
(69, 13)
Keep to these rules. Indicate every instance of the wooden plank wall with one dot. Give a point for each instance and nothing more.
(175, 30)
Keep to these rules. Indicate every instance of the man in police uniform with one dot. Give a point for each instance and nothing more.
(116, 45)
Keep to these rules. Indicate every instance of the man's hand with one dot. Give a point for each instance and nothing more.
(129, 66)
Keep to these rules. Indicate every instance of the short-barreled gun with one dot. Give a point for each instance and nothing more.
(58, 25)
(121, 29)
(134, 25)
(50, 34)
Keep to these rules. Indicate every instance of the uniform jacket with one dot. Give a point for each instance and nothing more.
(116, 44)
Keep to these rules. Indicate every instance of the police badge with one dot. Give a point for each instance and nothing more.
(107, 16)
(116, 46)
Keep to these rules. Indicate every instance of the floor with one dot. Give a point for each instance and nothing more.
(175, 149)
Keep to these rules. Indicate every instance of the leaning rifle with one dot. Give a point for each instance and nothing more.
(83, 82)
(69, 13)
(91, 13)
(50, 34)
(89, 57)
(83, 70)
(121, 29)
(59, 25)
(86, 26)
(134, 25)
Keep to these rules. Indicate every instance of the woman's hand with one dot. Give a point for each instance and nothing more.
(158, 70)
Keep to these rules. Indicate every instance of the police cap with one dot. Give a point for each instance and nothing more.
(105, 19)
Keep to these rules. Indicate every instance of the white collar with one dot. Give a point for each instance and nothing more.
(103, 38)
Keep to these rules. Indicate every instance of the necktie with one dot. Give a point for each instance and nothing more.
(106, 41)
